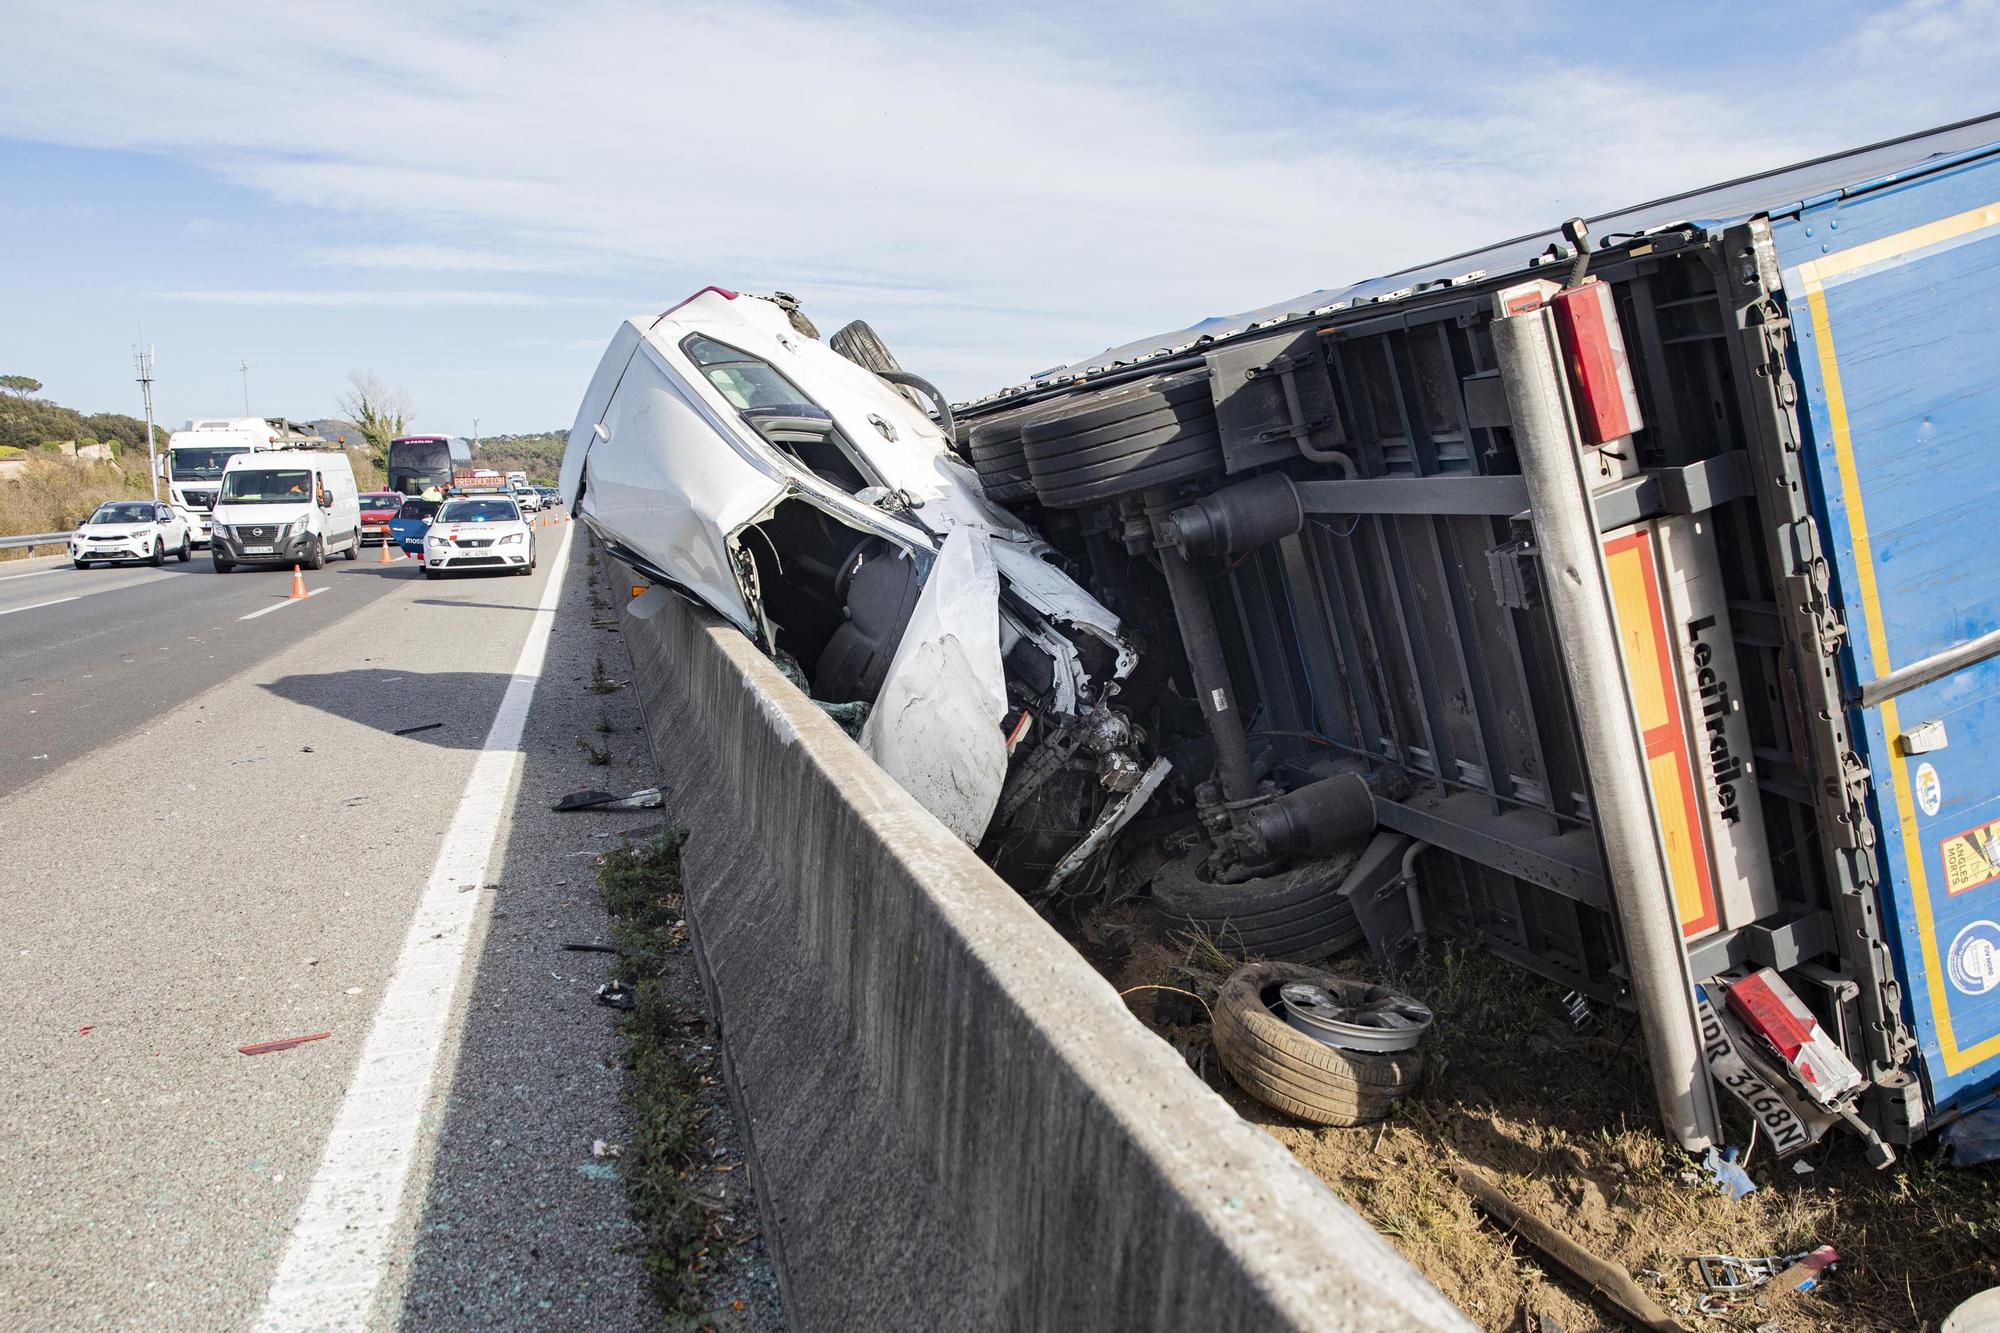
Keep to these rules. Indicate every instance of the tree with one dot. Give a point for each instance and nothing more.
(24, 385)
(379, 412)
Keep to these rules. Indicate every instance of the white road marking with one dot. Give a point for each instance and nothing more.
(36, 606)
(310, 592)
(37, 574)
(340, 1242)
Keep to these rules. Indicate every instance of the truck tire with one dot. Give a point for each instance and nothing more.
(1099, 447)
(994, 445)
(1291, 1072)
(1294, 915)
(860, 344)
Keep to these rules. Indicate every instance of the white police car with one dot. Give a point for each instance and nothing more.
(478, 532)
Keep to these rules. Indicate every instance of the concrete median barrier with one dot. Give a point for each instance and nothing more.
(955, 1122)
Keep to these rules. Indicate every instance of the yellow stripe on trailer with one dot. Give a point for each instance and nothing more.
(1814, 277)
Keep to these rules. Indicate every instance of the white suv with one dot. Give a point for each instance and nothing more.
(132, 530)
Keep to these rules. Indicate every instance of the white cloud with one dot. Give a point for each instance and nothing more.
(1007, 193)
(440, 259)
(403, 299)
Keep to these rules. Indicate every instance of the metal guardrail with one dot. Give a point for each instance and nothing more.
(34, 539)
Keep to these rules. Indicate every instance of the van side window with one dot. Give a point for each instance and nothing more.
(780, 412)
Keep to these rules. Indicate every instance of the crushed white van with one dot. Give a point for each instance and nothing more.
(728, 452)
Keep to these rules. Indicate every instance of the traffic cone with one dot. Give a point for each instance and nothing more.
(298, 586)
(385, 551)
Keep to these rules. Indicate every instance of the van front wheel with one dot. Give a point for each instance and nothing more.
(316, 557)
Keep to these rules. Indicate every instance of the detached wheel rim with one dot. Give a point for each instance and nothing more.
(1354, 1016)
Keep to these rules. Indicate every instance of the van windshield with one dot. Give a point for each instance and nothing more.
(278, 486)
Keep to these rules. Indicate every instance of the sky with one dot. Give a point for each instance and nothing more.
(466, 199)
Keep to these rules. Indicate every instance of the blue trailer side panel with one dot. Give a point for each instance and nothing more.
(1895, 301)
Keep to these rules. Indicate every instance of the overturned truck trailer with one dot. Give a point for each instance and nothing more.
(1622, 590)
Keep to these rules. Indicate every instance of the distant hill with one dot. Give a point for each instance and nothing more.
(343, 433)
(27, 423)
(540, 456)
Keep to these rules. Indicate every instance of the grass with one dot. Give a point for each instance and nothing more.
(56, 494)
(1563, 1117)
(601, 682)
(601, 758)
(604, 724)
(642, 890)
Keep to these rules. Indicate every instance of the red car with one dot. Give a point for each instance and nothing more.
(377, 508)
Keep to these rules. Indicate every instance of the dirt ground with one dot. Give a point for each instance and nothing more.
(1561, 1116)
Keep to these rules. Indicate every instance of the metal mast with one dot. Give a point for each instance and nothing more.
(142, 361)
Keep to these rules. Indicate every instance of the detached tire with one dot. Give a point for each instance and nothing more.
(1102, 446)
(1298, 914)
(860, 344)
(1291, 1072)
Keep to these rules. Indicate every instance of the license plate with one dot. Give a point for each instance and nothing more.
(257, 550)
(1790, 1124)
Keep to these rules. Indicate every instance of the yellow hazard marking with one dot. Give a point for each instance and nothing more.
(1971, 858)
(1627, 567)
(1670, 794)
(1651, 671)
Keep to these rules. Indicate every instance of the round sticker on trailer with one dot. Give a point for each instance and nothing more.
(1974, 960)
(1930, 792)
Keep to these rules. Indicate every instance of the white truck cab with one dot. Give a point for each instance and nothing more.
(195, 456)
(285, 507)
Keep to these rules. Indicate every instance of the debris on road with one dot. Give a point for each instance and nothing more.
(1973, 1138)
(616, 995)
(1730, 1177)
(1305, 1075)
(411, 731)
(282, 1044)
(648, 798)
(590, 948)
(1728, 1274)
(1611, 1284)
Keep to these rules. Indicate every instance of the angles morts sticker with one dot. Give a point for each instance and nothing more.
(1971, 858)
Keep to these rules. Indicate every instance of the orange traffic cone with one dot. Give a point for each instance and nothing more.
(385, 551)
(298, 586)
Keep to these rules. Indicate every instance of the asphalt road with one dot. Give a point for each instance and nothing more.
(87, 655)
(215, 838)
